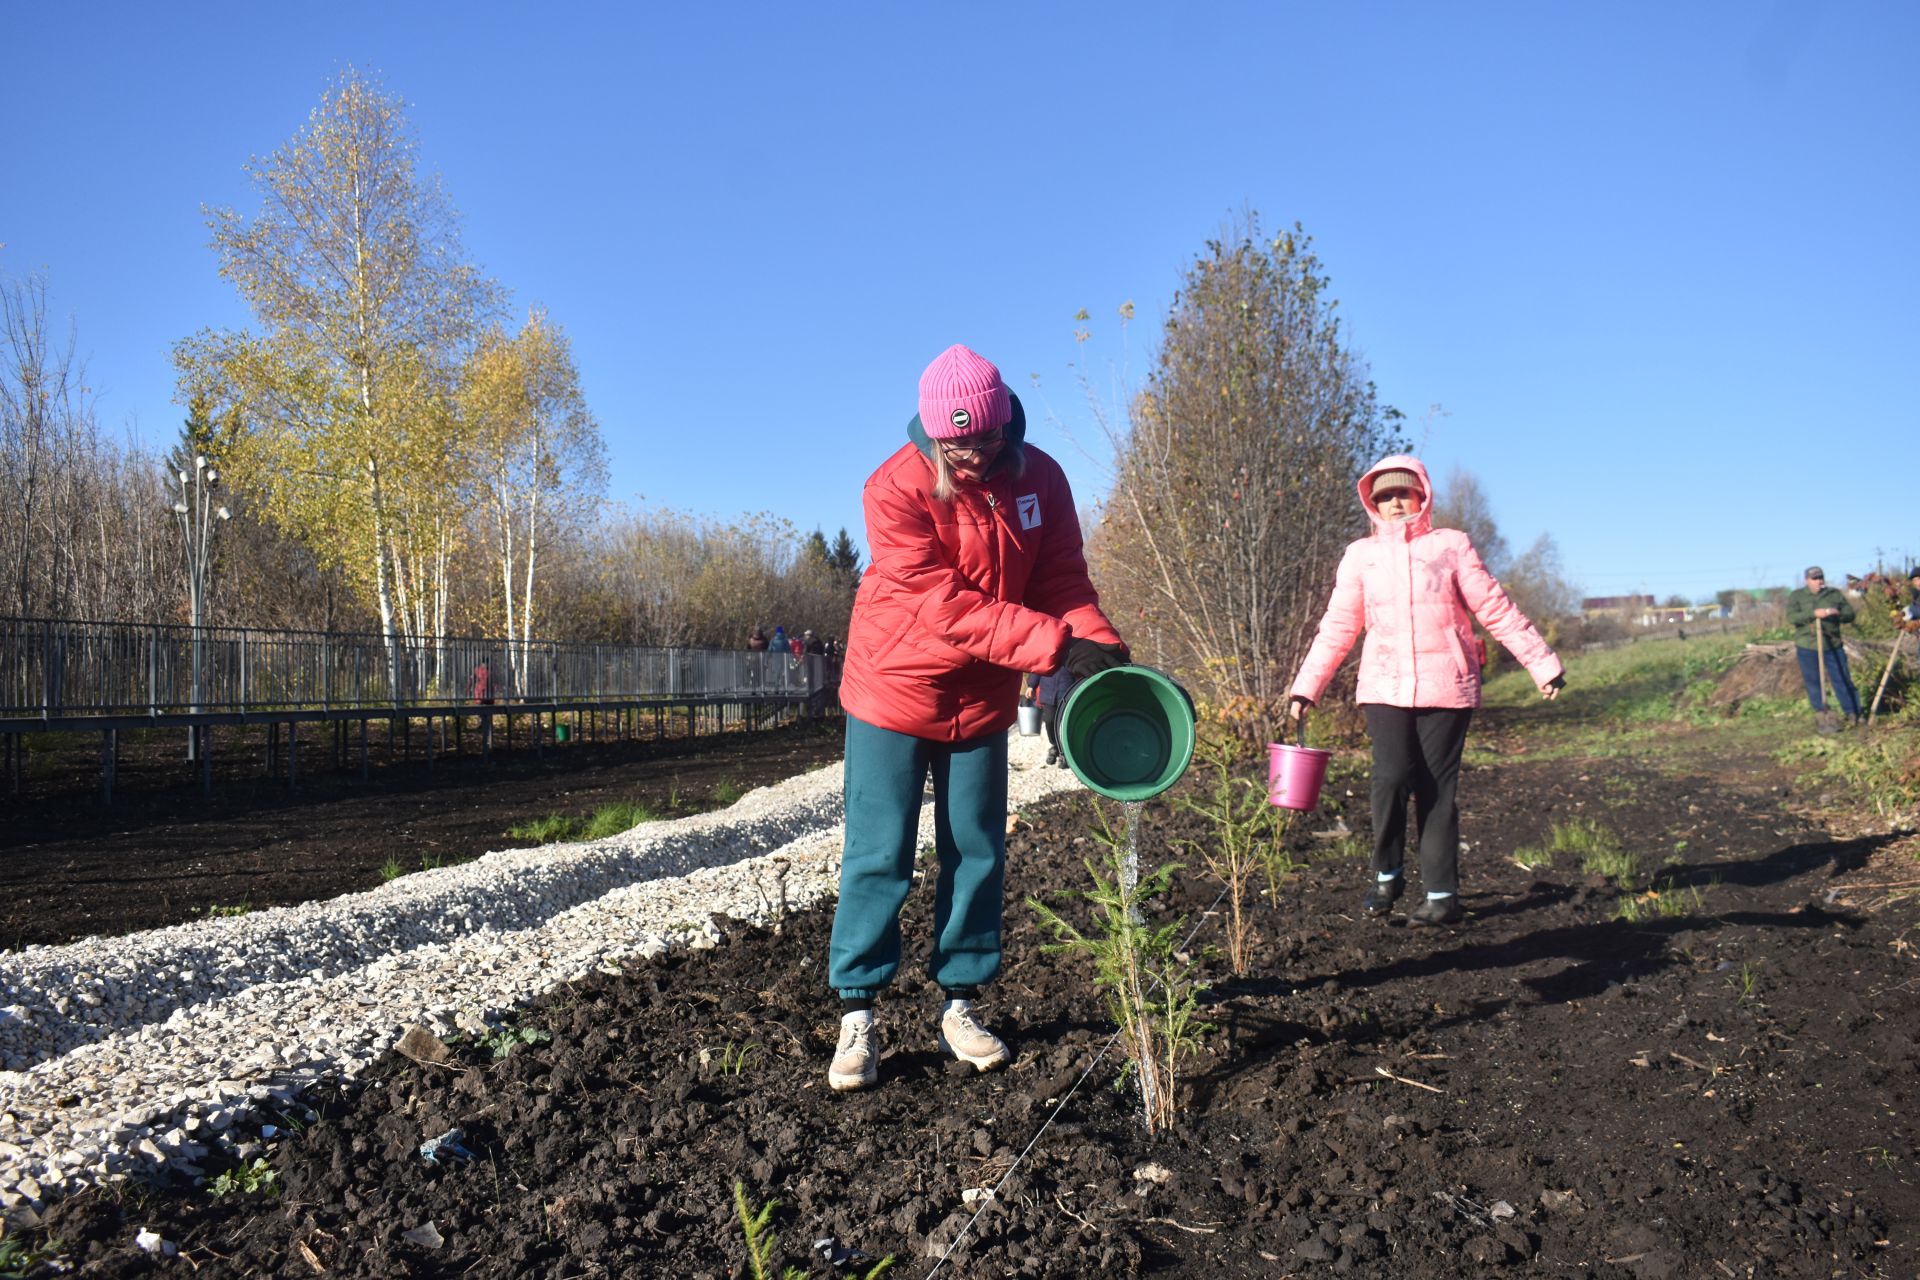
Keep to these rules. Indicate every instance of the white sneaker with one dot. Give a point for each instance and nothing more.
(856, 1060)
(968, 1041)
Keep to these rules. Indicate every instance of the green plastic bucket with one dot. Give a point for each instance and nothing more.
(1127, 732)
(562, 732)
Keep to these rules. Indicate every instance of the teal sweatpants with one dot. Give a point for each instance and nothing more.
(885, 773)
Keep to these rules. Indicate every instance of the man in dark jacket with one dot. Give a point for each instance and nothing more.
(1818, 605)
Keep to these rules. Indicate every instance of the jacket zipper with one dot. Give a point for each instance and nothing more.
(1413, 645)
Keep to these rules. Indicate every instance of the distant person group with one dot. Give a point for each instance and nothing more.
(798, 645)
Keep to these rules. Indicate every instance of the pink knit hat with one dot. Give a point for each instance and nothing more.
(961, 394)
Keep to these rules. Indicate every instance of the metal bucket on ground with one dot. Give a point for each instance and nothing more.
(1127, 732)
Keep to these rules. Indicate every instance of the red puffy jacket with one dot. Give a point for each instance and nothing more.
(964, 596)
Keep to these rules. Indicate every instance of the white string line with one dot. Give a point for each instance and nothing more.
(993, 1195)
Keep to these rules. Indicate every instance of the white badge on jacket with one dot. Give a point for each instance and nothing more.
(1029, 504)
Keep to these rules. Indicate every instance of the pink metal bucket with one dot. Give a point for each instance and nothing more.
(1294, 775)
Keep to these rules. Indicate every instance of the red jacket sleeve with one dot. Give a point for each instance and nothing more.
(1060, 585)
(906, 552)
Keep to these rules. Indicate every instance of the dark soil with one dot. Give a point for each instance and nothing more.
(1547, 1090)
(71, 867)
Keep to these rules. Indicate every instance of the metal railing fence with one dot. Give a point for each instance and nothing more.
(57, 667)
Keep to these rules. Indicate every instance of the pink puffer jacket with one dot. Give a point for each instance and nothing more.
(1416, 590)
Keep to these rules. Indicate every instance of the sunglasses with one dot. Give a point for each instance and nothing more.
(1388, 495)
(980, 448)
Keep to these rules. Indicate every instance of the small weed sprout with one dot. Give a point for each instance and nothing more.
(1665, 900)
(1745, 984)
(18, 1258)
(237, 909)
(1532, 858)
(725, 792)
(548, 830)
(607, 820)
(1150, 989)
(1243, 839)
(1348, 848)
(506, 1040)
(1598, 848)
(247, 1179)
(734, 1058)
(391, 869)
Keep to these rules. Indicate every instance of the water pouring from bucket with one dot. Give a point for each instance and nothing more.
(1295, 772)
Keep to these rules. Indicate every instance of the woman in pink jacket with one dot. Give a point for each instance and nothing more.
(1416, 589)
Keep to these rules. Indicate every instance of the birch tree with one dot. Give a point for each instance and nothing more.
(83, 529)
(540, 462)
(366, 308)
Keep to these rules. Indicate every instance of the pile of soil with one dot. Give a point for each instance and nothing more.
(1771, 671)
(1729, 1090)
(70, 868)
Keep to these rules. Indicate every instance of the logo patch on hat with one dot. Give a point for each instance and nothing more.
(962, 419)
(1029, 505)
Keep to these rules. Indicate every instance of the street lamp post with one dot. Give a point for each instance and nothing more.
(199, 518)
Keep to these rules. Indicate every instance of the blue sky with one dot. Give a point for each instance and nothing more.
(1654, 262)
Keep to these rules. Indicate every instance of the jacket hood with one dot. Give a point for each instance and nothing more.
(1398, 462)
(1015, 432)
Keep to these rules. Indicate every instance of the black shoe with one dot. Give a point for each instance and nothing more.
(1381, 897)
(1445, 910)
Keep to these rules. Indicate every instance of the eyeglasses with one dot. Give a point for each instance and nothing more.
(1407, 495)
(980, 448)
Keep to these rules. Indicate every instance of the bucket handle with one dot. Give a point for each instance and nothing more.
(1300, 728)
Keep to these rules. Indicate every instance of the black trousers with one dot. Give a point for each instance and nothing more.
(1416, 751)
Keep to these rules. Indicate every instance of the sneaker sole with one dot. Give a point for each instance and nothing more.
(986, 1062)
(851, 1084)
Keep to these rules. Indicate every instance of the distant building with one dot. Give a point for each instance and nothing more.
(1622, 609)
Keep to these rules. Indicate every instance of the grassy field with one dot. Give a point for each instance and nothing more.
(1652, 701)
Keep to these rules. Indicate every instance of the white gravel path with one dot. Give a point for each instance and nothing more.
(118, 1054)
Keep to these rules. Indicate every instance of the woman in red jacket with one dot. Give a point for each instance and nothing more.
(977, 575)
(1417, 591)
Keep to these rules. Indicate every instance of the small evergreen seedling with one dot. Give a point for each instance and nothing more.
(1150, 989)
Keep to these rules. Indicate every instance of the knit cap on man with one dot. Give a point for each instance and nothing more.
(961, 394)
